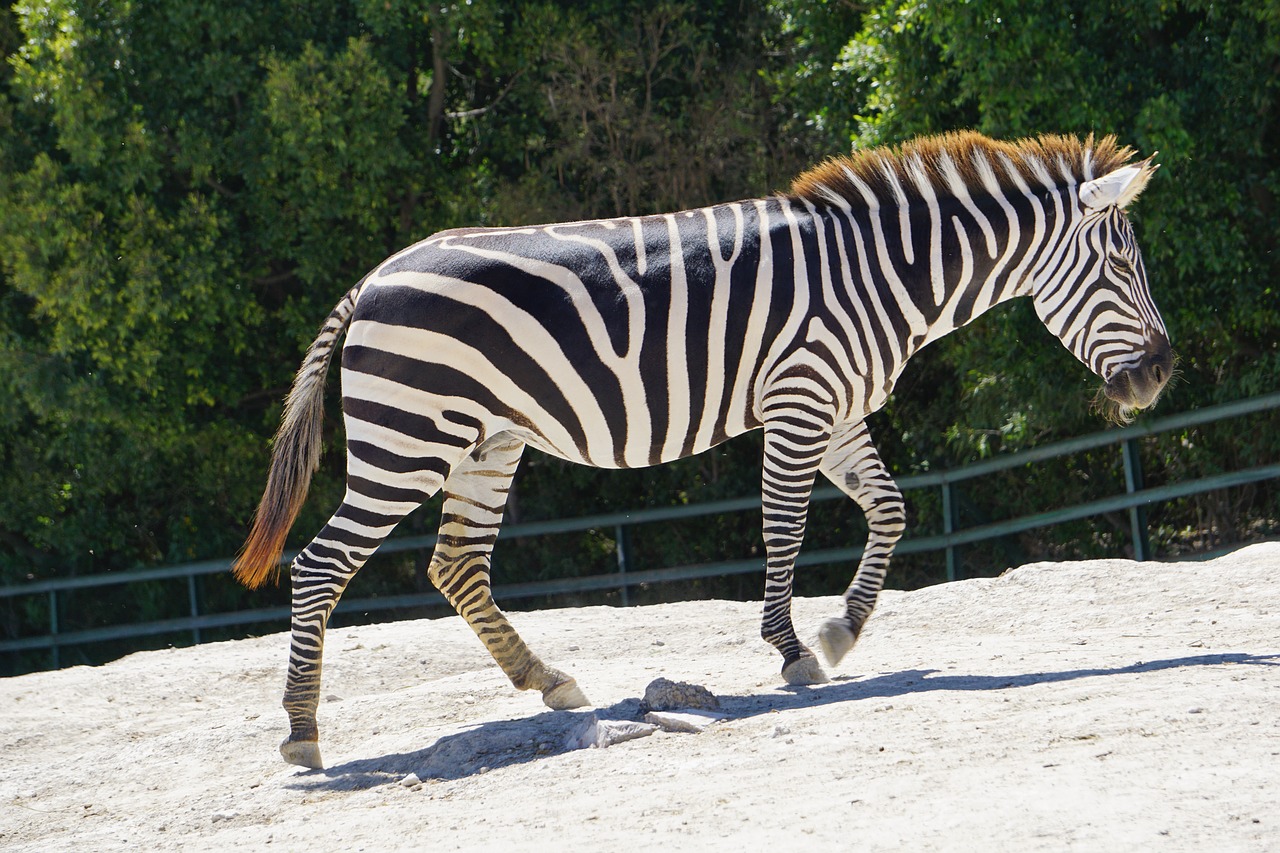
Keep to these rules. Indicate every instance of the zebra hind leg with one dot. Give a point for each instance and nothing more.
(475, 497)
(319, 575)
(853, 464)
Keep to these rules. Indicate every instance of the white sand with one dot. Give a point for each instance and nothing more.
(1104, 705)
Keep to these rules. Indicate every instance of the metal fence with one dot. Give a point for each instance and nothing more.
(1134, 500)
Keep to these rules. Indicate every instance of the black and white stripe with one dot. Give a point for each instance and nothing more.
(634, 341)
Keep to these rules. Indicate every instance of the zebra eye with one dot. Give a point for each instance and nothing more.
(1120, 262)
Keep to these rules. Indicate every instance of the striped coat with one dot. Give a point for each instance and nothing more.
(635, 341)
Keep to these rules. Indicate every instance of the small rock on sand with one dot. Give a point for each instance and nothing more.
(595, 732)
(665, 695)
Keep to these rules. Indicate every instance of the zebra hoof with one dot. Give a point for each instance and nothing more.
(564, 695)
(304, 753)
(835, 639)
(805, 670)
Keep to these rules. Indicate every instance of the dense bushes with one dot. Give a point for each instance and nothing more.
(187, 189)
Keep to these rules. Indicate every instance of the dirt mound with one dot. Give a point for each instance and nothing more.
(1105, 705)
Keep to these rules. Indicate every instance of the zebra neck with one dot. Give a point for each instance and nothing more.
(926, 267)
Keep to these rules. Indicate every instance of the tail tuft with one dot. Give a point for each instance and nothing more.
(295, 456)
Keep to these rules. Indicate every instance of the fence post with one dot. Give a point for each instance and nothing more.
(195, 607)
(949, 527)
(620, 537)
(1137, 514)
(53, 629)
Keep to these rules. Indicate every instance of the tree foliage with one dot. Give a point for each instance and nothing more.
(1194, 80)
(186, 189)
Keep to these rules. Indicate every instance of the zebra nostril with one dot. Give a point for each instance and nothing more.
(1157, 372)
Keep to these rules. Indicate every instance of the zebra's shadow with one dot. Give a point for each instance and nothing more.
(478, 749)
(502, 743)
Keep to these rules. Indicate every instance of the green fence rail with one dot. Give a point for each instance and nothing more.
(1134, 501)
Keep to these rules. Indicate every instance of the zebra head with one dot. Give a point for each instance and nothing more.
(1096, 299)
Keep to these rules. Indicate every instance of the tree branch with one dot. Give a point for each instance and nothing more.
(479, 111)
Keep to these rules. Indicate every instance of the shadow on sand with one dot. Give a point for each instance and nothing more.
(502, 743)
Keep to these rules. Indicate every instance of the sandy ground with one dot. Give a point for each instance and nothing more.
(1106, 705)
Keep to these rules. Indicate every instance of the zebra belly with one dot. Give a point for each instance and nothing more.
(572, 454)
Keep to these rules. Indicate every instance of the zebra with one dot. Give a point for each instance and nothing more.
(637, 340)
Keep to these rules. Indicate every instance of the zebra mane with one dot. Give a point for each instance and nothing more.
(982, 166)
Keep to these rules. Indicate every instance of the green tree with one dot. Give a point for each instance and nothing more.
(187, 189)
(1196, 81)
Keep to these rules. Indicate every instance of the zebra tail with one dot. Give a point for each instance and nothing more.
(295, 454)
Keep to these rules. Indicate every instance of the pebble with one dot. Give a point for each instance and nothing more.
(411, 780)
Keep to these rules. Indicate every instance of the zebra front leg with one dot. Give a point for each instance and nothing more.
(475, 497)
(793, 447)
(852, 463)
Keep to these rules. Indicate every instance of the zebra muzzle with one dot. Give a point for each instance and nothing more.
(1139, 386)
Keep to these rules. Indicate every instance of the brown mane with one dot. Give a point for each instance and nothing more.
(1065, 159)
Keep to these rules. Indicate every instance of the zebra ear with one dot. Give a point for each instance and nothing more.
(1119, 187)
